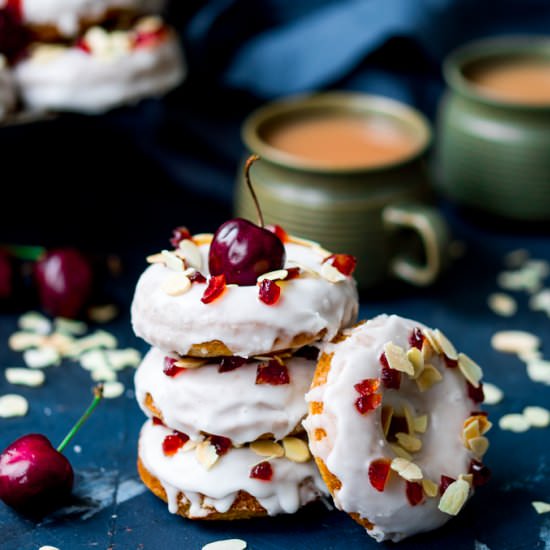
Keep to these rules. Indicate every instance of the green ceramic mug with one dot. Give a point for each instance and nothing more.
(380, 214)
(492, 153)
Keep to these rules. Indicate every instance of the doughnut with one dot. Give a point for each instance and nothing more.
(312, 306)
(55, 19)
(226, 489)
(103, 70)
(7, 89)
(230, 403)
(395, 427)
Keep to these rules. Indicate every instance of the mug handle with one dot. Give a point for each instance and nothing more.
(433, 231)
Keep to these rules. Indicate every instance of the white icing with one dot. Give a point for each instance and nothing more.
(293, 484)
(354, 440)
(228, 404)
(7, 90)
(238, 318)
(67, 14)
(72, 80)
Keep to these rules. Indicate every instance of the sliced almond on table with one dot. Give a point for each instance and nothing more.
(122, 358)
(397, 359)
(206, 454)
(12, 405)
(331, 274)
(113, 389)
(406, 469)
(430, 376)
(493, 395)
(514, 423)
(94, 359)
(70, 326)
(537, 417)
(539, 371)
(35, 322)
(176, 284)
(63, 343)
(445, 345)
(454, 497)
(516, 258)
(296, 449)
(20, 341)
(502, 304)
(103, 313)
(541, 507)
(25, 377)
(431, 489)
(40, 358)
(228, 544)
(267, 448)
(103, 374)
(408, 442)
(470, 369)
(98, 339)
(191, 253)
(515, 341)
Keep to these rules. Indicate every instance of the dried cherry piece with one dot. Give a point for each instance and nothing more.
(150, 38)
(481, 473)
(475, 394)
(222, 444)
(173, 442)
(391, 378)
(273, 373)
(170, 368)
(197, 277)
(415, 494)
(444, 483)
(450, 363)
(231, 363)
(262, 471)
(416, 338)
(157, 421)
(344, 263)
(279, 231)
(379, 473)
(269, 292)
(367, 403)
(292, 273)
(367, 386)
(179, 234)
(214, 289)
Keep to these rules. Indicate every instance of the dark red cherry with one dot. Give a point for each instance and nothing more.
(242, 250)
(64, 279)
(34, 477)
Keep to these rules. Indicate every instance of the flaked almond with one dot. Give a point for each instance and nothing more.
(149, 24)
(502, 304)
(172, 261)
(121, 358)
(331, 274)
(190, 363)
(25, 377)
(515, 341)
(454, 497)
(70, 326)
(227, 544)
(470, 369)
(296, 449)
(12, 405)
(20, 341)
(482, 423)
(40, 358)
(493, 395)
(479, 445)
(157, 258)
(468, 478)
(113, 389)
(264, 447)
(514, 423)
(94, 359)
(206, 454)
(408, 442)
(430, 376)
(35, 322)
(409, 419)
(537, 417)
(103, 374)
(277, 275)
(431, 338)
(63, 343)
(431, 489)
(397, 359)
(400, 452)
(176, 284)
(191, 253)
(427, 351)
(414, 355)
(420, 423)
(541, 507)
(539, 371)
(103, 313)
(445, 345)
(406, 469)
(470, 431)
(98, 339)
(202, 238)
(386, 416)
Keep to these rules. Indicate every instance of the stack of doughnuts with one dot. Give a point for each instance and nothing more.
(224, 383)
(91, 56)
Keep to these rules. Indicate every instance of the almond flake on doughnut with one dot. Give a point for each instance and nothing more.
(407, 460)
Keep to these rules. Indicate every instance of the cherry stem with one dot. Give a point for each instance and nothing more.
(98, 395)
(23, 252)
(249, 162)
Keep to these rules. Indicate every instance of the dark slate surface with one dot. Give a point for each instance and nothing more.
(110, 197)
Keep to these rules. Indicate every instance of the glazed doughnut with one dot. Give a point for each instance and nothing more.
(230, 404)
(104, 70)
(7, 89)
(393, 423)
(310, 308)
(226, 490)
(54, 19)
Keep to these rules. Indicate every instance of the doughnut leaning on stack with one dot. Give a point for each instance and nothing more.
(230, 318)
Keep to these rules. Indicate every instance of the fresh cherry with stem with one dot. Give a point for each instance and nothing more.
(35, 478)
(242, 250)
